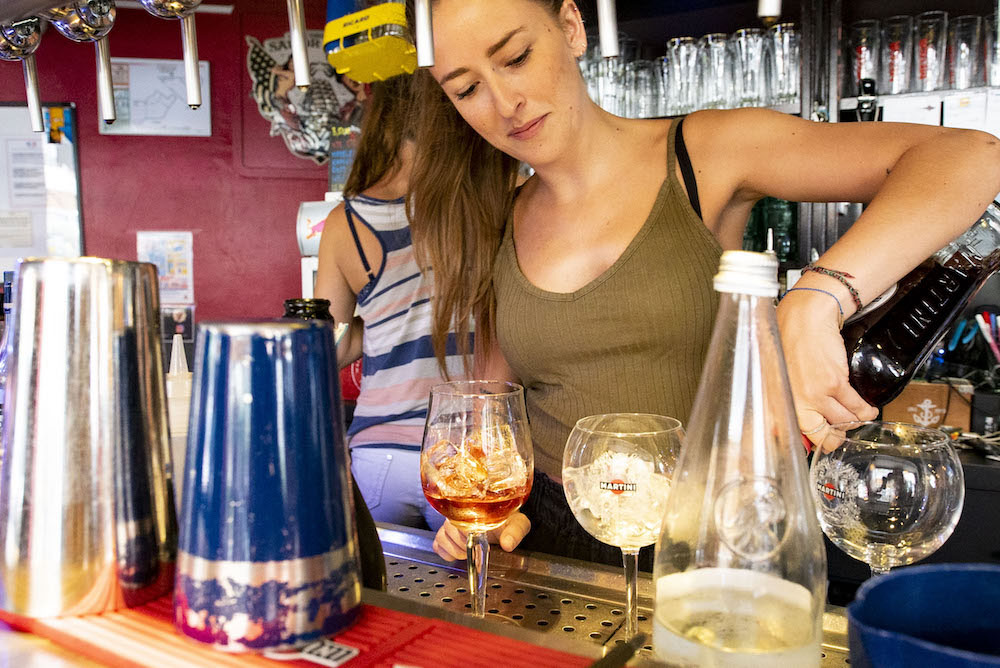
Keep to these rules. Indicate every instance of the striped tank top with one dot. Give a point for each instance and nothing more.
(398, 363)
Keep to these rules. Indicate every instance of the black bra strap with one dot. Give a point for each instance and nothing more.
(684, 162)
(357, 241)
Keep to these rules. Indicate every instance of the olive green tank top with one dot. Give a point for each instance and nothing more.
(632, 340)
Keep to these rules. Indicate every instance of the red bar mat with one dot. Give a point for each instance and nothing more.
(144, 637)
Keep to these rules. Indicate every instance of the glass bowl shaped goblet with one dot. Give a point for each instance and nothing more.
(476, 464)
(616, 475)
(887, 493)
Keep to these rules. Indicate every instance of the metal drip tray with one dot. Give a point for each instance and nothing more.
(570, 599)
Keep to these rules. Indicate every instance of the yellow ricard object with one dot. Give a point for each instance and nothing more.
(370, 45)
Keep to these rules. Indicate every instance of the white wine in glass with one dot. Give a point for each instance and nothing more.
(616, 475)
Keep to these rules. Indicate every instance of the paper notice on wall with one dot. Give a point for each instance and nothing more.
(925, 110)
(26, 175)
(151, 99)
(173, 255)
(965, 110)
(16, 229)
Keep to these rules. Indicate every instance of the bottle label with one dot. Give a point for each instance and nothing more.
(830, 478)
(618, 486)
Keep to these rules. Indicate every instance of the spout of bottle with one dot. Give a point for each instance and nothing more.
(178, 359)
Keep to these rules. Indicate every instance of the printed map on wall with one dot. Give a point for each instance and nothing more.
(151, 99)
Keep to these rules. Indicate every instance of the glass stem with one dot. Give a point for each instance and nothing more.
(879, 570)
(478, 559)
(630, 559)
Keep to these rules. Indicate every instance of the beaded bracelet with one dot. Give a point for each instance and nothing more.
(840, 276)
(840, 322)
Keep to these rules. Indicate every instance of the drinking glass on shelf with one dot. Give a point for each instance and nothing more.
(642, 89)
(682, 61)
(992, 51)
(751, 69)
(616, 475)
(785, 46)
(715, 72)
(897, 55)
(931, 48)
(965, 52)
(887, 493)
(476, 464)
(863, 46)
(667, 104)
(610, 76)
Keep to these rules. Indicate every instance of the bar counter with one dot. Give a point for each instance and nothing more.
(561, 604)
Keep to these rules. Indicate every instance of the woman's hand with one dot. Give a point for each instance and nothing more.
(817, 364)
(450, 542)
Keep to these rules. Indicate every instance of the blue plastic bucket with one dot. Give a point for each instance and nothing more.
(941, 615)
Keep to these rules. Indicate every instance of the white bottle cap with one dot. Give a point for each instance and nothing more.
(748, 273)
(178, 376)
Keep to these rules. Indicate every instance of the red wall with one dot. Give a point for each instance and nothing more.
(238, 191)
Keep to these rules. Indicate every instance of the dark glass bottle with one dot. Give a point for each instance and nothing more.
(370, 547)
(8, 324)
(889, 340)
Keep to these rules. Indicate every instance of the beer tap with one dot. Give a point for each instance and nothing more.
(18, 41)
(607, 27)
(769, 11)
(297, 32)
(424, 33)
(183, 10)
(90, 21)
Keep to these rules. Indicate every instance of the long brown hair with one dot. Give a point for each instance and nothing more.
(460, 198)
(385, 127)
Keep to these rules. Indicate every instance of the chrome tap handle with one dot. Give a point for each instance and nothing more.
(31, 87)
(91, 21)
(183, 10)
(18, 41)
(607, 26)
(105, 91)
(297, 31)
(192, 75)
(424, 32)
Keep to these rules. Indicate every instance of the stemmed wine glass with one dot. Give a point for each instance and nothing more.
(616, 475)
(887, 493)
(476, 464)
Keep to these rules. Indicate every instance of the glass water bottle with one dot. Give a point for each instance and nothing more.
(740, 566)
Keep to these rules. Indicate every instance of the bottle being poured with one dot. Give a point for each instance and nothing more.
(889, 339)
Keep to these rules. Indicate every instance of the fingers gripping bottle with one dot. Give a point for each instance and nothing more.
(740, 566)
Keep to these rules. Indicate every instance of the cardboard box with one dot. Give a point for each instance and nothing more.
(934, 404)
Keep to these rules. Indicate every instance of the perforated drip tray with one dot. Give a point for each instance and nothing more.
(574, 600)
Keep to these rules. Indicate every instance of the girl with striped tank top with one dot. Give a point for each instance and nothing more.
(367, 265)
(591, 284)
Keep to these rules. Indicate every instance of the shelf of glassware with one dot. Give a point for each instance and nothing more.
(934, 97)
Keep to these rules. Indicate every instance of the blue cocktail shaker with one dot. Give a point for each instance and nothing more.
(267, 552)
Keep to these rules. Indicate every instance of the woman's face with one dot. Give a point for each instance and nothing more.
(509, 67)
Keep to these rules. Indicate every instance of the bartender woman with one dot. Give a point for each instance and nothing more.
(591, 284)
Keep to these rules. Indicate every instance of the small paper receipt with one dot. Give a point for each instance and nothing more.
(323, 652)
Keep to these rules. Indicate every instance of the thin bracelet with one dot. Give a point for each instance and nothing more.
(841, 276)
(840, 322)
